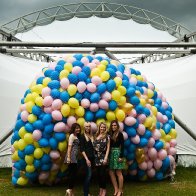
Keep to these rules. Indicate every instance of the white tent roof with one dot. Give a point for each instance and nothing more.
(175, 78)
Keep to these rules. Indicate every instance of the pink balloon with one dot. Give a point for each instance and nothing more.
(149, 164)
(64, 83)
(43, 175)
(162, 154)
(133, 80)
(125, 135)
(54, 167)
(106, 96)
(48, 110)
(91, 87)
(141, 129)
(24, 116)
(172, 151)
(151, 173)
(71, 59)
(23, 107)
(103, 104)
(94, 107)
(159, 94)
(47, 101)
(173, 142)
(85, 103)
(76, 70)
(167, 145)
(133, 113)
(121, 126)
(156, 134)
(81, 86)
(96, 80)
(164, 105)
(119, 74)
(129, 121)
(157, 164)
(12, 149)
(52, 65)
(85, 60)
(151, 142)
(96, 61)
(141, 118)
(60, 127)
(46, 92)
(71, 120)
(54, 154)
(56, 104)
(165, 119)
(159, 117)
(136, 139)
(93, 127)
(143, 165)
(92, 65)
(67, 128)
(171, 158)
(151, 86)
(152, 153)
(56, 115)
(37, 134)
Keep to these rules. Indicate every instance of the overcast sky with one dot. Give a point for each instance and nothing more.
(181, 11)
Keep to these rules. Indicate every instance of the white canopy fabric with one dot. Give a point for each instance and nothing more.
(175, 78)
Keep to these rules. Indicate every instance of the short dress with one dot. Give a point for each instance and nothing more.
(116, 152)
(74, 142)
(100, 148)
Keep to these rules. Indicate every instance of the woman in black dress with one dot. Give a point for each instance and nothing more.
(86, 147)
(116, 160)
(101, 149)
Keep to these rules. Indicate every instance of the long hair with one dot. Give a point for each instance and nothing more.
(88, 136)
(73, 127)
(98, 131)
(113, 134)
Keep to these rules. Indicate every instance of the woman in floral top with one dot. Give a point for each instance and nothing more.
(101, 148)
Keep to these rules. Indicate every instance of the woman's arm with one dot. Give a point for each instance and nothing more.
(82, 148)
(70, 142)
(107, 151)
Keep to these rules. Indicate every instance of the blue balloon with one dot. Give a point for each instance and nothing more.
(147, 134)
(158, 101)
(43, 142)
(131, 132)
(95, 97)
(21, 154)
(121, 68)
(159, 175)
(113, 67)
(54, 75)
(61, 62)
(19, 124)
(55, 94)
(45, 159)
(111, 85)
(22, 164)
(130, 156)
(77, 63)
(125, 83)
(29, 127)
(78, 96)
(73, 78)
(64, 96)
(130, 91)
(113, 105)
(111, 72)
(46, 167)
(172, 123)
(143, 142)
(17, 173)
(101, 88)
(60, 136)
(59, 68)
(89, 116)
(139, 109)
(47, 119)
(37, 163)
(86, 70)
(32, 176)
(127, 142)
(39, 80)
(100, 114)
(36, 110)
(133, 166)
(87, 94)
(134, 100)
(54, 84)
(131, 148)
(100, 58)
(167, 128)
(168, 114)
(82, 76)
(125, 77)
(158, 145)
(146, 111)
(29, 149)
(140, 173)
(166, 164)
(14, 180)
(90, 58)
(38, 124)
(53, 143)
(48, 73)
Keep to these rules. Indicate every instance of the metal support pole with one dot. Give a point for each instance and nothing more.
(184, 126)
(6, 136)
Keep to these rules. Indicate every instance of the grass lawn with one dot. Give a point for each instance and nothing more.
(185, 184)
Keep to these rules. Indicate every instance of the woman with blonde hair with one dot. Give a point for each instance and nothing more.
(116, 160)
(101, 148)
(86, 147)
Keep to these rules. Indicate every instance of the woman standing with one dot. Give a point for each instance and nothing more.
(86, 147)
(72, 156)
(101, 149)
(116, 162)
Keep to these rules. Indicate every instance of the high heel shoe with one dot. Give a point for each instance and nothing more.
(68, 193)
(119, 193)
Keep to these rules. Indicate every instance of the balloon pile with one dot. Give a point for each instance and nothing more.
(83, 88)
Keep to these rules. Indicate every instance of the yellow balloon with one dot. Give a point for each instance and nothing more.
(162, 133)
(139, 152)
(38, 153)
(65, 110)
(30, 168)
(148, 122)
(101, 67)
(122, 100)
(32, 84)
(62, 146)
(28, 138)
(95, 72)
(127, 107)
(37, 88)
(80, 111)
(28, 98)
(68, 67)
(81, 121)
(34, 95)
(98, 121)
(32, 118)
(15, 156)
(139, 77)
(73, 102)
(110, 116)
(167, 138)
(22, 132)
(141, 158)
(72, 89)
(72, 112)
(118, 81)
(114, 62)
(36, 144)
(15, 145)
(120, 115)
(46, 149)
(173, 133)
(104, 62)
(29, 106)
(150, 93)
(46, 81)
(142, 102)
(29, 159)
(116, 95)
(22, 181)
(105, 76)
(154, 110)
(122, 90)
(63, 74)
(21, 144)
(39, 101)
